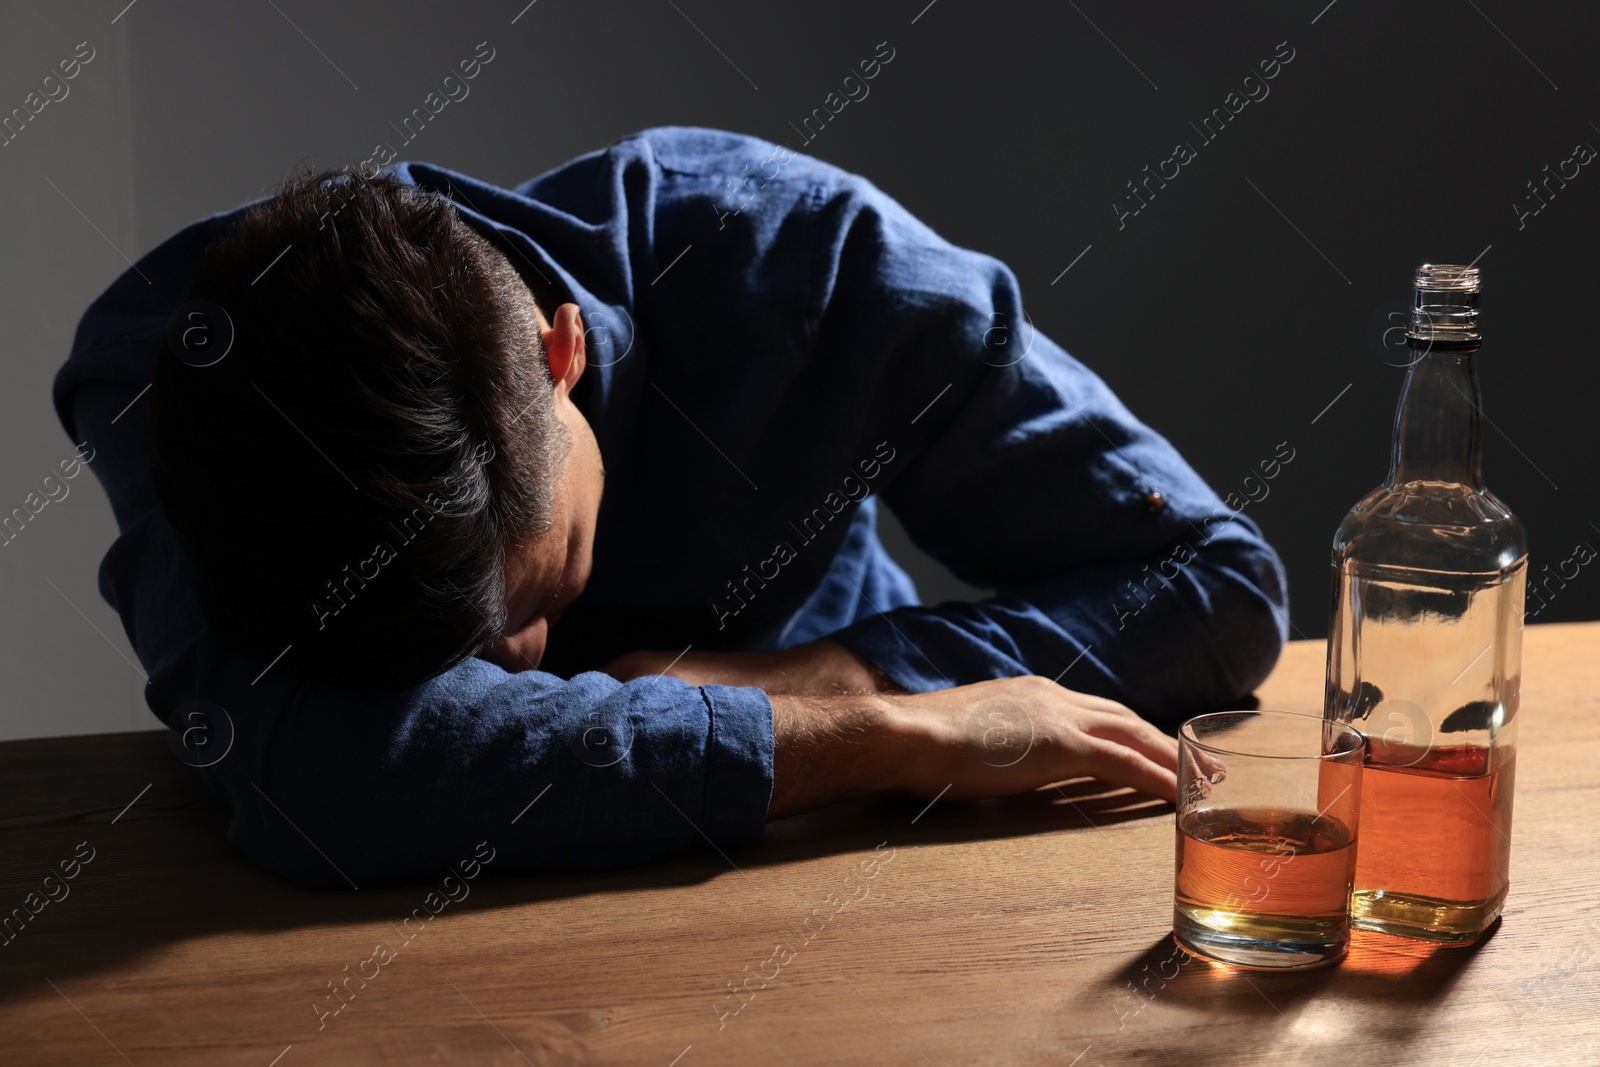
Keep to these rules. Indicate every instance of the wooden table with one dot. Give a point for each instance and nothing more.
(1034, 930)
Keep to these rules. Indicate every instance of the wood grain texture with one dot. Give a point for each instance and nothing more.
(1027, 931)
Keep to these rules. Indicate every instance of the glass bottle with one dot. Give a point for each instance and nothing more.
(1425, 645)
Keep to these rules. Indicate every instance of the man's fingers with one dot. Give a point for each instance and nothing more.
(1139, 736)
(1207, 765)
(1121, 765)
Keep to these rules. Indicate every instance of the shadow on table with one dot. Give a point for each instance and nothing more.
(1378, 968)
(1080, 804)
(166, 873)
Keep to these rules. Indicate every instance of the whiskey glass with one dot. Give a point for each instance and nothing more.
(1267, 823)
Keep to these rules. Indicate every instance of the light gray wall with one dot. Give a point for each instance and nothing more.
(1227, 313)
(67, 220)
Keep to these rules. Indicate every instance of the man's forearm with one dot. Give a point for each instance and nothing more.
(820, 666)
(831, 748)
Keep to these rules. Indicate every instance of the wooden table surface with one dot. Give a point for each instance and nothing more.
(1032, 930)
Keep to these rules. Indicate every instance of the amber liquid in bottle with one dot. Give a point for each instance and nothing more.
(1425, 646)
(1447, 860)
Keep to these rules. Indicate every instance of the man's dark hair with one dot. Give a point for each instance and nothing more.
(347, 478)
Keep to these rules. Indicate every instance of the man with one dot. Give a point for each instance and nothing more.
(545, 517)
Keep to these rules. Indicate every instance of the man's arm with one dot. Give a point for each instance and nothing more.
(814, 667)
(1116, 568)
(336, 789)
(990, 739)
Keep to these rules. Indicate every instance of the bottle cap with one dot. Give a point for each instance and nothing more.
(1444, 306)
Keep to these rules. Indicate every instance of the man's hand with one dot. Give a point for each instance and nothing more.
(843, 729)
(990, 739)
(817, 667)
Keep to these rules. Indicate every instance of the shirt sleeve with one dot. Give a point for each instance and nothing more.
(546, 774)
(1116, 569)
(507, 772)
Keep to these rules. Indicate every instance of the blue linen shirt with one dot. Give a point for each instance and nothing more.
(775, 345)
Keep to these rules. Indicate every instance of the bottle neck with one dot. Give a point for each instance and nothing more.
(1437, 423)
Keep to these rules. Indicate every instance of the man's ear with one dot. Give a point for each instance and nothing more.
(563, 348)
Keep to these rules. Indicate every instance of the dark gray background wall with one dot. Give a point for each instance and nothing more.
(1230, 313)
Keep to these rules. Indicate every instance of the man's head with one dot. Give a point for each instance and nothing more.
(386, 472)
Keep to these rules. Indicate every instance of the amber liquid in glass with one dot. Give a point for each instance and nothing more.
(1443, 864)
(1264, 873)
